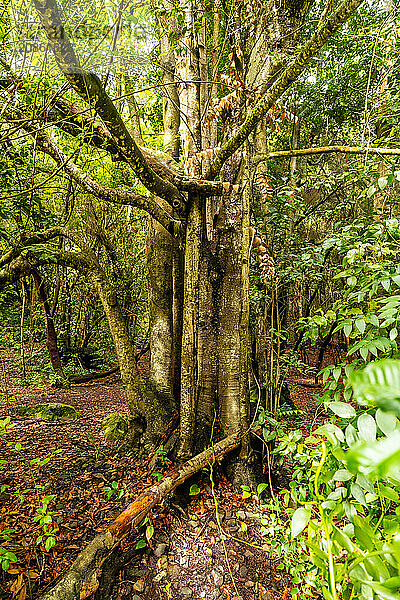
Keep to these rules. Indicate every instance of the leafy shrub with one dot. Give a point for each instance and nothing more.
(346, 482)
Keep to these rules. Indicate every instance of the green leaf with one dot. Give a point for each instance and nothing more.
(358, 494)
(149, 532)
(363, 533)
(299, 521)
(342, 475)
(360, 324)
(376, 458)
(383, 591)
(343, 410)
(386, 421)
(388, 493)
(347, 329)
(49, 543)
(351, 434)
(331, 432)
(382, 182)
(194, 490)
(393, 333)
(366, 427)
(364, 352)
(261, 487)
(342, 539)
(140, 544)
(378, 383)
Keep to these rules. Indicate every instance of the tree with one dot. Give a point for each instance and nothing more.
(200, 209)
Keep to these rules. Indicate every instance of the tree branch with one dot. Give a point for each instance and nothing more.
(116, 196)
(291, 73)
(89, 87)
(82, 580)
(326, 150)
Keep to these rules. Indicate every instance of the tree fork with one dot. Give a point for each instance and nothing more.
(83, 579)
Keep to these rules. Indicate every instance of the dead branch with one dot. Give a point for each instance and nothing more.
(83, 578)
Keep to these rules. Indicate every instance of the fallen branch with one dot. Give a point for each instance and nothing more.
(83, 578)
(91, 376)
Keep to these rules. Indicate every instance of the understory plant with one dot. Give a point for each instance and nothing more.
(46, 528)
(346, 484)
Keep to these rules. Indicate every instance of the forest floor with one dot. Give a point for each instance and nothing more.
(217, 546)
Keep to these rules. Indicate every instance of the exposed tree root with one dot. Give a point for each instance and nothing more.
(83, 579)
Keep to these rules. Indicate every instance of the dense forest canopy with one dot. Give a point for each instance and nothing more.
(212, 186)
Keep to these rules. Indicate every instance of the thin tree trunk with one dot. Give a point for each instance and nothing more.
(51, 334)
(149, 414)
(189, 370)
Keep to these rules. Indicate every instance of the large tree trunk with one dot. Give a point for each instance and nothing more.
(159, 264)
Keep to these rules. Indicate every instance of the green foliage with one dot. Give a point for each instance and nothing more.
(115, 427)
(116, 489)
(46, 529)
(348, 490)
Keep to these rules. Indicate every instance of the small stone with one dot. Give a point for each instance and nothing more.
(243, 571)
(162, 563)
(248, 554)
(241, 515)
(136, 597)
(134, 572)
(218, 579)
(160, 550)
(186, 592)
(139, 585)
(174, 571)
(193, 523)
(157, 578)
(249, 584)
(213, 525)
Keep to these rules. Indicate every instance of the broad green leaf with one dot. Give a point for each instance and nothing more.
(366, 427)
(364, 352)
(342, 475)
(365, 483)
(194, 490)
(299, 521)
(364, 533)
(381, 590)
(386, 421)
(376, 458)
(149, 532)
(373, 319)
(388, 493)
(347, 329)
(351, 434)
(343, 410)
(393, 333)
(342, 539)
(331, 432)
(360, 324)
(393, 583)
(382, 182)
(140, 544)
(358, 494)
(378, 383)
